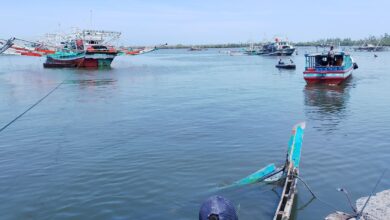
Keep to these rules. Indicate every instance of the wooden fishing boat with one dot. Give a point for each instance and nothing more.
(290, 172)
(369, 47)
(319, 69)
(64, 60)
(98, 53)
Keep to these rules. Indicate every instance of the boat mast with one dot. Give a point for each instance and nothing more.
(90, 18)
(377, 45)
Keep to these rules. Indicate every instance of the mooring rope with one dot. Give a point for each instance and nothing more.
(360, 213)
(314, 195)
(356, 214)
(31, 107)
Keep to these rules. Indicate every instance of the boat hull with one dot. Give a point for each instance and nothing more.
(63, 63)
(286, 66)
(133, 52)
(327, 77)
(285, 206)
(291, 173)
(98, 60)
(279, 52)
(96, 63)
(369, 49)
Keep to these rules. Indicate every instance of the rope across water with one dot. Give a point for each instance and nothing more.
(32, 106)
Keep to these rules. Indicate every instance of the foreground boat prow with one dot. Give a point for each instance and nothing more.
(291, 171)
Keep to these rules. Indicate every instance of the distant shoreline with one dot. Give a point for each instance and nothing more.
(346, 42)
(224, 46)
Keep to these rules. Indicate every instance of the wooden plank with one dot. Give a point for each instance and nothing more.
(283, 212)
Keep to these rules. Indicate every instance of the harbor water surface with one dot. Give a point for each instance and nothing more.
(157, 134)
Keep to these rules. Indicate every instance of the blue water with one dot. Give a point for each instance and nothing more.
(153, 137)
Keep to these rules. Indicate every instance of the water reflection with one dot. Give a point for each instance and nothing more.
(91, 82)
(92, 90)
(326, 104)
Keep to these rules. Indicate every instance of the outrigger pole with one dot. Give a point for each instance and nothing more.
(7, 45)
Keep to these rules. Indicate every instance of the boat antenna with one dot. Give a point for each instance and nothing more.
(360, 213)
(90, 18)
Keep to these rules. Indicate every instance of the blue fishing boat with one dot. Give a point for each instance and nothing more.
(320, 68)
(277, 48)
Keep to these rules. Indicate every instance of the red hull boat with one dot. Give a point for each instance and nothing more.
(97, 56)
(318, 70)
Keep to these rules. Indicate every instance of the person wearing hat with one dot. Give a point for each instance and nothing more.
(217, 208)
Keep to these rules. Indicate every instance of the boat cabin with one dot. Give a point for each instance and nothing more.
(321, 61)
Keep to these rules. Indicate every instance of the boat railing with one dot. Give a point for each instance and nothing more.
(329, 68)
(312, 64)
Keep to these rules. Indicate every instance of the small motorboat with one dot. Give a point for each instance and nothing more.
(195, 49)
(286, 66)
(282, 65)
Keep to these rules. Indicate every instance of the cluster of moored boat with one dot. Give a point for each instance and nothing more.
(90, 49)
(324, 68)
(277, 48)
(82, 49)
(319, 67)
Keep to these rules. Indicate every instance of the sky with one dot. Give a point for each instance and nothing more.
(152, 22)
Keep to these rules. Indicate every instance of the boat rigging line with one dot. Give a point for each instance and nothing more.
(32, 106)
(357, 214)
(315, 195)
(360, 213)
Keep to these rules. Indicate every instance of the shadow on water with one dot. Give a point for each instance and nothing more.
(327, 104)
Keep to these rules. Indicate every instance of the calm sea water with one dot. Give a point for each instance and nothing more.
(154, 136)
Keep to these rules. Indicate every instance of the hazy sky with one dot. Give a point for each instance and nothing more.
(149, 22)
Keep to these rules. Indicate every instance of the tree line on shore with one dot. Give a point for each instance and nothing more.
(383, 40)
(380, 41)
